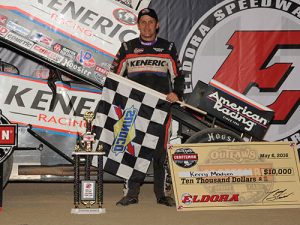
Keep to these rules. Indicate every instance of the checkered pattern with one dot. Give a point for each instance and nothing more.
(120, 94)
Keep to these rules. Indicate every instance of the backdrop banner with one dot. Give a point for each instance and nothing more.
(251, 47)
(78, 37)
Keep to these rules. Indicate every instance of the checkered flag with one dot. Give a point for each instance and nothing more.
(130, 123)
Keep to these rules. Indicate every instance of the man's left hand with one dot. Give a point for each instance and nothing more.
(172, 97)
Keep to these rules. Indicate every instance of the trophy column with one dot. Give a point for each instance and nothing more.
(88, 193)
(100, 181)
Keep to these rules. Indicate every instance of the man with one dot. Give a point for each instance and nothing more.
(153, 62)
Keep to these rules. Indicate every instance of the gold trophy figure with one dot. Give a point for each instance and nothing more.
(88, 138)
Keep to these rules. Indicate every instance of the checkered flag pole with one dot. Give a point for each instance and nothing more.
(130, 124)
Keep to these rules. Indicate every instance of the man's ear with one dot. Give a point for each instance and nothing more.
(157, 25)
(157, 28)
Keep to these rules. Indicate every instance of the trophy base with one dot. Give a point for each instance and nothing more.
(88, 211)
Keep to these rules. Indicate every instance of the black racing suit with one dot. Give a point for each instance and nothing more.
(155, 65)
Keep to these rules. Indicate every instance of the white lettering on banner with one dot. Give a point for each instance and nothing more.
(77, 67)
(5, 135)
(239, 113)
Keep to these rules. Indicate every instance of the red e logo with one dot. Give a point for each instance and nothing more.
(252, 51)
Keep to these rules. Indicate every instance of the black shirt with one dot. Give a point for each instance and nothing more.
(153, 64)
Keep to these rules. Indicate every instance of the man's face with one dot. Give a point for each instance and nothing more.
(147, 26)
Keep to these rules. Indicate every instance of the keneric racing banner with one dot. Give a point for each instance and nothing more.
(26, 100)
(222, 176)
(79, 37)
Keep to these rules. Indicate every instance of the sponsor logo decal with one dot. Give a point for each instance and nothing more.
(7, 135)
(138, 50)
(86, 59)
(148, 62)
(188, 199)
(185, 157)
(158, 49)
(239, 113)
(42, 38)
(233, 155)
(101, 70)
(19, 40)
(3, 31)
(76, 67)
(52, 56)
(8, 139)
(17, 28)
(64, 51)
(125, 16)
(3, 19)
(124, 131)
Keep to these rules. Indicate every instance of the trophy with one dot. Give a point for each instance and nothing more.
(88, 193)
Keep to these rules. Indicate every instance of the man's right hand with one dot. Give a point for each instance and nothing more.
(172, 97)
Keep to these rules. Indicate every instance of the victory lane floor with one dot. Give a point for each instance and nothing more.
(51, 203)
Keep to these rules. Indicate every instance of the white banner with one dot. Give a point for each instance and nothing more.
(101, 23)
(80, 37)
(26, 100)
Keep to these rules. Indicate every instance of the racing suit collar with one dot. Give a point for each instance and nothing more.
(147, 43)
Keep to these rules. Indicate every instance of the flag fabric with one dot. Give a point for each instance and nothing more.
(130, 123)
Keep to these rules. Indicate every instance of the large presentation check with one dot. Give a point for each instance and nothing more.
(235, 175)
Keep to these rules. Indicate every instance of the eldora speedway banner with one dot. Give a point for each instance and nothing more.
(25, 100)
(251, 47)
(80, 37)
(225, 176)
